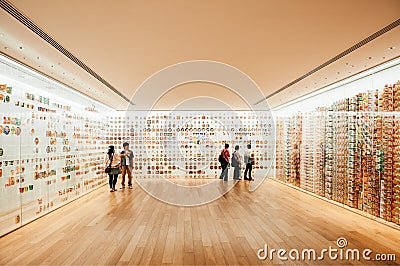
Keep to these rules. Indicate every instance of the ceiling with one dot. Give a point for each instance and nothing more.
(273, 41)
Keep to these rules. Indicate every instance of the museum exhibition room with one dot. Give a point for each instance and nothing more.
(214, 132)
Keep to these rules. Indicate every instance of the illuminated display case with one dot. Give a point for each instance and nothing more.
(186, 144)
(52, 147)
(349, 147)
(54, 141)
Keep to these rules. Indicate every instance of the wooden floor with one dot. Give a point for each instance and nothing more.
(131, 227)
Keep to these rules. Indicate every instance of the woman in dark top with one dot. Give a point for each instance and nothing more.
(113, 160)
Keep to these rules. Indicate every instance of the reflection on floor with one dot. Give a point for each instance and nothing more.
(131, 227)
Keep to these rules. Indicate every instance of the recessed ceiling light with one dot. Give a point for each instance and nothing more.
(59, 64)
(24, 58)
(365, 65)
(21, 47)
(326, 78)
(391, 48)
(352, 66)
(73, 79)
(52, 66)
(369, 57)
(383, 57)
(349, 72)
(338, 72)
(347, 64)
(63, 73)
(37, 58)
(39, 66)
(6, 48)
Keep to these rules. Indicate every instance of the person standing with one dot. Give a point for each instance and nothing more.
(113, 161)
(236, 163)
(224, 160)
(249, 160)
(126, 165)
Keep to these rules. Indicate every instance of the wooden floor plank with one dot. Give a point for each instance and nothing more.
(129, 227)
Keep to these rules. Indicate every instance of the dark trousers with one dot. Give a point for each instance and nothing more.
(236, 172)
(224, 172)
(112, 180)
(126, 170)
(249, 167)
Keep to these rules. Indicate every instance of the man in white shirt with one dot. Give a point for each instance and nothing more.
(126, 165)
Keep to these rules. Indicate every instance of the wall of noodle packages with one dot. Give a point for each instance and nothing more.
(348, 152)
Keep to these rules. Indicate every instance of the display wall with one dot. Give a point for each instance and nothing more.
(347, 151)
(54, 140)
(186, 144)
(52, 143)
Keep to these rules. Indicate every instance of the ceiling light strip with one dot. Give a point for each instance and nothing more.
(33, 27)
(19, 66)
(360, 75)
(337, 57)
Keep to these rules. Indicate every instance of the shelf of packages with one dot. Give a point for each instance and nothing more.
(373, 177)
(319, 153)
(294, 174)
(307, 148)
(329, 154)
(361, 161)
(314, 174)
(366, 171)
(307, 167)
(287, 149)
(378, 163)
(352, 154)
(335, 159)
(280, 149)
(396, 166)
(387, 144)
(340, 192)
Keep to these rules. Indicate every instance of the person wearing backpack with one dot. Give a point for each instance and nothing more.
(224, 159)
(236, 163)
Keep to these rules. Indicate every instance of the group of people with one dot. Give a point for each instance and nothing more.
(236, 162)
(119, 163)
(122, 163)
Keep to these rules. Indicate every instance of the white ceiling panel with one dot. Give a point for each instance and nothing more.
(273, 41)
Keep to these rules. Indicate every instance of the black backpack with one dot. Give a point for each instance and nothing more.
(221, 158)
